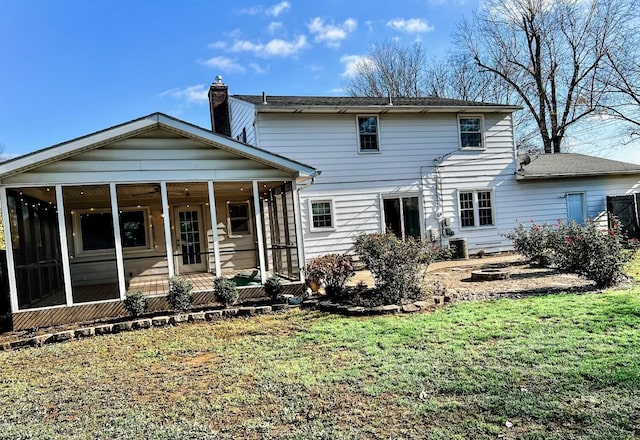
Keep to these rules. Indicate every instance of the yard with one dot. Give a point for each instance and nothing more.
(542, 367)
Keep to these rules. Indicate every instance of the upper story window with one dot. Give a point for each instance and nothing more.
(368, 134)
(471, 131)
(476, 209)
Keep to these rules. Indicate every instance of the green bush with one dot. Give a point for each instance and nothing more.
(333, 270)
(394, 264)
(180, 293)
(587, 250)
(593, 253)
(535, 242)
(226, 291)
(273, 287)
(136, 303)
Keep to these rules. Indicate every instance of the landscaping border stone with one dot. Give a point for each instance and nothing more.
(213, 315)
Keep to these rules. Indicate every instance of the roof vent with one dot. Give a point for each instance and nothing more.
(219, 79)
(264, 98)
(390, 101)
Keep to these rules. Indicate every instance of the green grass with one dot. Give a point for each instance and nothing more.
(557, 367)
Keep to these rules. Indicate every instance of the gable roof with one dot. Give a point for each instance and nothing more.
(350, 104)
(565, 165)
(141, 125)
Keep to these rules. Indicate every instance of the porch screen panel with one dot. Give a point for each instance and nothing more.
(279, 226)
(144, 252)
(36, 247)
(90, 240)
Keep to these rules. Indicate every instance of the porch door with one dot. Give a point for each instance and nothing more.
(575, 207)
(402, 216)
(189, 237)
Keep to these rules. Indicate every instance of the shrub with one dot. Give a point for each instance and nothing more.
(333, 270)
(536, 242)
(180, 293)
(394, 264)
(273, 287)
(136, 303)
(591, 252)
(225, 291)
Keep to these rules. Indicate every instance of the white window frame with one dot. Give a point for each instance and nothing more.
(77, 230)
(368, 151)
(332, 212)
(482, 131)
(476, 209)
(230, 232)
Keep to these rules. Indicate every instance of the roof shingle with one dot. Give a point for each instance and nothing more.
(563, 165)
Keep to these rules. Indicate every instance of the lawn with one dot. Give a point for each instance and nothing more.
(550, 367)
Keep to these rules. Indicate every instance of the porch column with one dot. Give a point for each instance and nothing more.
(64, 247)
(299, 232)
(214, 229)
(167, 227)
(11, 268)
(258, 222)
(115, 215)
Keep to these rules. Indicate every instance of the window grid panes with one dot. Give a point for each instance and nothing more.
(321, 214)
(466, 210)
(485, 212)
(368, 132)
(190, 237)
(470, 132)
(132, 229)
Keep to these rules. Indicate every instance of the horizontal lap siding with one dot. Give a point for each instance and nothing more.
(409, 146)
(491, 169)
(150, 159)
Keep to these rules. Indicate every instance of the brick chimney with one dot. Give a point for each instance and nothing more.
(219, 107)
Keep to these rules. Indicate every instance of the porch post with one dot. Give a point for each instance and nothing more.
(64, 247)
(258, 224)
(167, 227)
(214, 228)
(299, 234)
(115, 215)
(11, 268)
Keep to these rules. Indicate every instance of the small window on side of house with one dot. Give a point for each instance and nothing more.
(239, 221)
(368, 134)
(321, 215)
(470, 132)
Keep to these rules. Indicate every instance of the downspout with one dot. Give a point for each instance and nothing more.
(300, 235)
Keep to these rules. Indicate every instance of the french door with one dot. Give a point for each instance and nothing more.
(189, 238)
(402, 216)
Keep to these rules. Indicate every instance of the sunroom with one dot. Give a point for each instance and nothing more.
(125, 209)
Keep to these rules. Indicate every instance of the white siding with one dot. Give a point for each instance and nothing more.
(242, 117)
(410, 145)
(150, 158)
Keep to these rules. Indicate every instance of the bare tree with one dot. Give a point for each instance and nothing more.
(389, 69)
(559, 56)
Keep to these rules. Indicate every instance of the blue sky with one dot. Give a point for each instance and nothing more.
(71, 67)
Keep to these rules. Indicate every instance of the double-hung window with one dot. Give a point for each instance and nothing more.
(368, 134)
(476, 209)
(471, 135)
(239, 218)
(322, 218)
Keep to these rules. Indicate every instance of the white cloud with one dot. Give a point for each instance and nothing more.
(274, 48)
(351, 62)
(224, 64)
(198, 93)
(411, 26)
(253, 10)
(218, 45)
(278, 9)
(331, 34)
(257, 68)
(274, 26)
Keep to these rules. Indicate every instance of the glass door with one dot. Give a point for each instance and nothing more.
(189, 240)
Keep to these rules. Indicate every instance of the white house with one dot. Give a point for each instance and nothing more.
(434, 168)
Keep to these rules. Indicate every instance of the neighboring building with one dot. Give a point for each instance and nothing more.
(126, 208)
